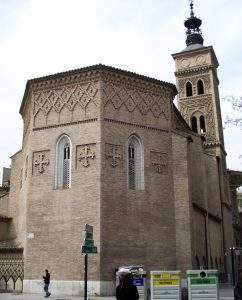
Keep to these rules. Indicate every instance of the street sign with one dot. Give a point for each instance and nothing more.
(88, 244)
(87, 248)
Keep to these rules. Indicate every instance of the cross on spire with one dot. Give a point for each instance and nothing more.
(85, 155)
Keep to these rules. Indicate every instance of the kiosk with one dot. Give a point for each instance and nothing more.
(203, 284)
(139, 276)
(165, 285)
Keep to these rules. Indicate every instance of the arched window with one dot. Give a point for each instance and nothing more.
(197, 263)
(202, 124)
(135, 164)
(200, 87)
(188, 89)
(211, 262)
(63, 162)
(204, 263)
(194, 124)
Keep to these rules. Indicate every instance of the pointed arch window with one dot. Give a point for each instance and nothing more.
(135, 164)
(197, 263)
(63, 162)
(211, 262)
(188, 89)
(202, 124)
(194, 124)
(200, 87)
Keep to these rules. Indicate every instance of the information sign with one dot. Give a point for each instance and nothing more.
(202, 282)
(165, 285)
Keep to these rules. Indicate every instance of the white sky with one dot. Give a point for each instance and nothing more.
(40, 37)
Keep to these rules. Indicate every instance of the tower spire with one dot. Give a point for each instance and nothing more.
(194, 33)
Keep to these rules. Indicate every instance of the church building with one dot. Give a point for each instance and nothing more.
(109, 148)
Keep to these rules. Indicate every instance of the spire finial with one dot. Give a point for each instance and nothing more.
(194, 34)
(191, 6)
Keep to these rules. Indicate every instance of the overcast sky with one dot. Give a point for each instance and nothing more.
(40, 37)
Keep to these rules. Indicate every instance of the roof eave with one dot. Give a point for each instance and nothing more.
(99, 67)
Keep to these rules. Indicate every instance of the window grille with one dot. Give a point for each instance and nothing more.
(131, 168)
(135, 164)
(63, 162)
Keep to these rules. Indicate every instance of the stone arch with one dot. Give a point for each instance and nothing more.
(3, 284)
(10, 284)
(18, 285)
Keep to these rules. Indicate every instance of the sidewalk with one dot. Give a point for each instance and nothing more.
(226, 293)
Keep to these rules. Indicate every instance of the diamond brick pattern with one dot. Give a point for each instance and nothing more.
(132, 100)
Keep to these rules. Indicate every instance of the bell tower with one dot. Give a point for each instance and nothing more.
(197, 84)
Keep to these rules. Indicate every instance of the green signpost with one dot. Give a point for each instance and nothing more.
(87, 248)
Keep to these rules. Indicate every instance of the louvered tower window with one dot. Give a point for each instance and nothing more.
(63, 162)
(135, 164)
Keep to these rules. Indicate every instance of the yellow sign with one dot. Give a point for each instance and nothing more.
(162, 282)
(166, 276)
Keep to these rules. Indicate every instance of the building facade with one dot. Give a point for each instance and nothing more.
(109, 148)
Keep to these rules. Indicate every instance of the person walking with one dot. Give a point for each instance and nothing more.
(238, 286)
(46, 283)
(126, 290)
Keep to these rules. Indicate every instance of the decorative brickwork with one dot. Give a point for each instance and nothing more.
(203, 104)
(12, 271)
(40, 162)
(67, 97)
(182, 83)
(132, 99)
(114, 154)
(85, 153)
(158, 161)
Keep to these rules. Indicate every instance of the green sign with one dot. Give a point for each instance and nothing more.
(206, 281)
(88, 245)
(87, 249)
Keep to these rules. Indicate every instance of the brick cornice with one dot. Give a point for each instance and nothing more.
(90, 73)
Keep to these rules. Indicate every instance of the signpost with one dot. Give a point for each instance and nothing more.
(88, 247)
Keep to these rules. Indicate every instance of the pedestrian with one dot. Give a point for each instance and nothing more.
(238, 286)
(46, 283)
(126, 290)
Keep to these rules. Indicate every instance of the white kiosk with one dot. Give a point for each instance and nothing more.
(203, 284)
(165, 285)
(139, 278)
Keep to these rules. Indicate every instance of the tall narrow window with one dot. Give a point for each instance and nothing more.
(197, 263)
(188, 89)
(202, 124)
(135, 164)
(200, 87)
(211, 262)
(63, 162)
(194, 124)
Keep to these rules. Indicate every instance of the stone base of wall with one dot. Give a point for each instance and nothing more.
(70, 288)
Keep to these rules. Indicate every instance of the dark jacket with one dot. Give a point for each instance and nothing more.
(47, 278)
(238, 292)
(128, 293)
